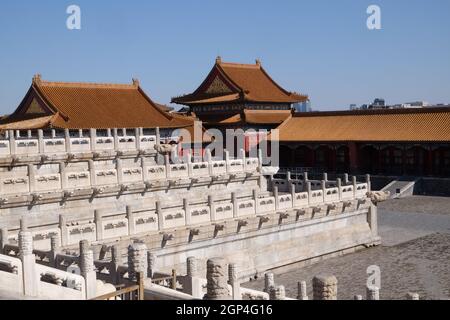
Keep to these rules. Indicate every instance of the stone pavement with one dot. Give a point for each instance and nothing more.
(414, 256)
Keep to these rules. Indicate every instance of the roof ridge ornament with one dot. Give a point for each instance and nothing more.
(258, 62)
(218, 60)
(136, 82)
(37, 79)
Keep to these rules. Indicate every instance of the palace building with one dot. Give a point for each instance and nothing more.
(240, 96)
(77, 107)
(414, 142)
(64, 105)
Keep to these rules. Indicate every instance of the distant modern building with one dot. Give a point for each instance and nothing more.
(378, 103)
(411, 105)
(303, 106)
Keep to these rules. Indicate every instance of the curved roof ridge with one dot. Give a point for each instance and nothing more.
(37, 80)
(87, 85)
(240, 65)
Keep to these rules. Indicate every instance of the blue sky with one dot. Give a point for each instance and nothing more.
(321, 48)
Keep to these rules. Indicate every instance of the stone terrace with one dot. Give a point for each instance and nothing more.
(414, 256)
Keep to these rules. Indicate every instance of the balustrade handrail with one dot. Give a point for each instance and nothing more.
(192, 212)
(64, 180)
(14, 142)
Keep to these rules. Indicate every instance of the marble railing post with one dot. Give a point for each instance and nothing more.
(144, 168)
(216, 277)
(302, 291)
(55, 249)
(67, 140)
(325, 176)
(309, 191)
(63, 176)
(212, 207)
(116, 139)
(244, 159)
(193, 285)
(87, 269)
(235, 204)
(160, 215)
(209, 160)
(151, 264)
(354, 182)
(372, 219)
(188, 162)
(260, 160)
(41, 141)
(234, 282)
(12, 142)
(277, 199)
(269, 282)
(260, 168)
(93, 139)
(3, 239)
(64, 231)
(325, 288)
(369, 184)
(167, 164)
(255, 197)
(115, 263)
(372, 293)
(288, 177)
(30, 278)
(92, 173)
(32, 177)
(119, 169)
(137, 137)
(191, 267)
(324, 189)
(339, 186)
(131, 222)
(187, 211)
(346, 181)
(277, 293)
(158, 136)
(292, 189)
(305, 177)
(137, 260)
(99, 224)
(227, 159)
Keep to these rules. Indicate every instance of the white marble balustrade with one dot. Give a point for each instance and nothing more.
(17, 142)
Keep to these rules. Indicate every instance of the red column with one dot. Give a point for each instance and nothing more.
(429, 161)
(311, 157)
(379, 159)
(332, 161)
(353, 156)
